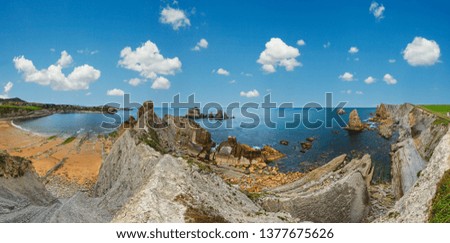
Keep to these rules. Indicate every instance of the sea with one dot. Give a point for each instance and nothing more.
(255, 129)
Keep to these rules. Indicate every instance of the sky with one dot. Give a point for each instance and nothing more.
(93, 52)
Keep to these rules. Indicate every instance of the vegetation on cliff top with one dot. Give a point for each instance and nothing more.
(440, 208)
(441, 111)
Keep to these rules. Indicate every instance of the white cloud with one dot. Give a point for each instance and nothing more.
(8, 87)
(422, 52)
(136, 81)
(391, 60)
(250, 94)
(347, 77)
(161, 83)
(353, 50)
(389, 79)
(65, 59)
(277, 53)
(88, 94)
(148, 61)
(370, 80)
(87, 52)
(232, 81)
(52, 49)
(202, 44)
(175, 17)
(78, 79)
(222, 71)
(301, 42)
(377, 10)
(327, 45)
(348, 91)
(115, 92)
(247, 74)
(359, 93)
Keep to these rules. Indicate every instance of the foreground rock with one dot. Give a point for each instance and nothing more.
(23, 198)
(335, 192)
(138, 184)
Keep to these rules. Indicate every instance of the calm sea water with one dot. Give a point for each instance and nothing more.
(329, 142)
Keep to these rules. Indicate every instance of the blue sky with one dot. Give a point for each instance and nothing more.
(415, 34)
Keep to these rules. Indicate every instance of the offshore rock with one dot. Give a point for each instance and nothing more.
(354, 123)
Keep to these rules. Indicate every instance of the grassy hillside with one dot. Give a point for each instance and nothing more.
(439, 110)
(440, 209)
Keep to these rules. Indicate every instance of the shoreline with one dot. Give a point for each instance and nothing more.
(76, 162)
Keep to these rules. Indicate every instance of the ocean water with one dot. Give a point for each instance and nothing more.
(329, 141)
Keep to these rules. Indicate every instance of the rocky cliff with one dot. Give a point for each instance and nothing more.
(419, 159)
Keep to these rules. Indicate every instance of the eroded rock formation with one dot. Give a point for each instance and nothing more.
(354, 122)
(335, 192)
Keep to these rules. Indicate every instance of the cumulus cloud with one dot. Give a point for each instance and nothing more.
(65, 59)
(422, 52)
(115, 92)
(359, 93)
(389, 79)
(370, 80)
(148, 61)
(175, 17)
(277, 53)
(232, 81)
(347, 77)
(301, 42)
(222, 71)
(391, 60)
(136, 81)
(250, 94)
(327, 45)
(377, 10)
(202, 44)
(353, 50)
(78, 79)
(161, 83)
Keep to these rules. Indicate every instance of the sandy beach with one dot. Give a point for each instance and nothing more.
(79, 161)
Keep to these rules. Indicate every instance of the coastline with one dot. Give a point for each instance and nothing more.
(77, 162)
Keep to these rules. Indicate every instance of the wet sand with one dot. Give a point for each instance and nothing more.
(81, 158)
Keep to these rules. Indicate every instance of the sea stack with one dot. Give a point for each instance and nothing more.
(354, 122)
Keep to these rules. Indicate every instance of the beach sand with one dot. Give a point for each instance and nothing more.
(81, 158)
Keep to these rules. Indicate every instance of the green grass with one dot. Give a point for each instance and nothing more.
(440, 208)
(68, 140)
(52, 137)
(441, 111)
(29, 108)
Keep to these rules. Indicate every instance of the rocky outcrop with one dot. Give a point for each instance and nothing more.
(414, 206)
(335, 192)
(418, 138)
(354, 122)
(195, 113)
(419, 159)
(23, 198)
(138, 184)
(232, 152)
